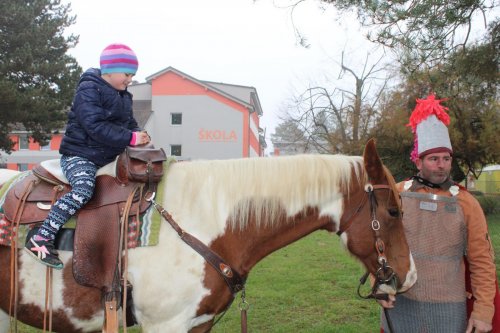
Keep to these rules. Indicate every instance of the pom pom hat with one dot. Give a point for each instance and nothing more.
(118, 58)
(429, 122)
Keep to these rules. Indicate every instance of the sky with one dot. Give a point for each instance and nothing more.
(242, 42)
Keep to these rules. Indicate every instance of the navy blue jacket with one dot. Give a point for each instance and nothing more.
(100, 122)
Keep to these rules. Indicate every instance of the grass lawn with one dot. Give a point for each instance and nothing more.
(309, 286)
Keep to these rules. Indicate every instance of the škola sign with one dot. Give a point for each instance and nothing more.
(205, 135)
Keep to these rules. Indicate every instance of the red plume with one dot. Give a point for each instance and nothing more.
(423, 109)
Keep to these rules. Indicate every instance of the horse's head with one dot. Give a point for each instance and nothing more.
(372, 227)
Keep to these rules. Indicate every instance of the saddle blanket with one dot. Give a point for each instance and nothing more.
(144, 232)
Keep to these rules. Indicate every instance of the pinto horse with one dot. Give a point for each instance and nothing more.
(243, 209)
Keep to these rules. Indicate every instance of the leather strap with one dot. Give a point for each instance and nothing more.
(445, 185)
(123, 265)
(111, 316)
(14, 273)
(48, 300)
(244, 321)
(347, 224)
(233, 279)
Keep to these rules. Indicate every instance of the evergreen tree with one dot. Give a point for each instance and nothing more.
(37, 77)
(423, 32)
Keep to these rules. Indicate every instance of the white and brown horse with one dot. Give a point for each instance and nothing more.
(244, 210)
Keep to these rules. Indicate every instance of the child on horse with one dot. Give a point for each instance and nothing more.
(100, 125)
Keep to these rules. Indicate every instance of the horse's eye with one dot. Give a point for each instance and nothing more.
(393, 212)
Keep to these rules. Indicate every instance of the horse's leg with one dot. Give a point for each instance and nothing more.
(4, 322)
(203, 328)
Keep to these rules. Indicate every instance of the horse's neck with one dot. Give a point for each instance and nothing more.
(229, 197)
(247, 247)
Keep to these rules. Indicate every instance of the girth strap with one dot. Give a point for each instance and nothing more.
(233, 279)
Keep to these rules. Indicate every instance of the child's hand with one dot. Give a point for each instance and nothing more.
(139, 138)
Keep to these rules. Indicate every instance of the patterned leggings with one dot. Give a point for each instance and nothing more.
(81, 176)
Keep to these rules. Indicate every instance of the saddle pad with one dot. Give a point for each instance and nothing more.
(148, 228)
(140, 233)
(10, 184)
(5, 226)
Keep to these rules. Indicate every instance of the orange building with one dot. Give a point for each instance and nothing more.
(196, 119)
(26, 153)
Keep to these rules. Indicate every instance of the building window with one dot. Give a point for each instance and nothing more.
(22, 166)
(175, 150)
(176, 118)
(23, 141)
(45, 147)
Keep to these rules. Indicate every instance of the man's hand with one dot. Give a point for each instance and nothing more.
(389, 304)
(478, 326)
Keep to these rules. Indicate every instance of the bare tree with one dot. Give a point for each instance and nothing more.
(335, 119)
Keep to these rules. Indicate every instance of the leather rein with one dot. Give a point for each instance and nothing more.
(233, 279)
(385, 273)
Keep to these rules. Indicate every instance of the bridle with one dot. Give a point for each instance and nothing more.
(385, 273)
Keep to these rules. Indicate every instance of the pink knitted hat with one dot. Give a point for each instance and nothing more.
(118, 58)
(428, 123)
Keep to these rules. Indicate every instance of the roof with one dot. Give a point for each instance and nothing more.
(245, 93)
(492, 167)
(240, 94)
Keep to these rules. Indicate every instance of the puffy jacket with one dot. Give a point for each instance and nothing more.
(100, 122)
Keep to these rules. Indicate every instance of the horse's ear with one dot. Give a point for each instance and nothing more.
(373, 163)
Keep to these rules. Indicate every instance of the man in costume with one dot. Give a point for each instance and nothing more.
(445, 228)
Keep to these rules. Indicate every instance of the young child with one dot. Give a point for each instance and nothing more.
(100, 126)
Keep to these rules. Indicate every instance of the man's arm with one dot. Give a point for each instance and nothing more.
(481, 262)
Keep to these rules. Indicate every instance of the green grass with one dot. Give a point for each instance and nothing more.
(494, 229)
(309, 286)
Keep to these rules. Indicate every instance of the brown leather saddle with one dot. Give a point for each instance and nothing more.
(97, 233)
(101, 228)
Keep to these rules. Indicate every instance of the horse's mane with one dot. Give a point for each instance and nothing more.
(267, 186)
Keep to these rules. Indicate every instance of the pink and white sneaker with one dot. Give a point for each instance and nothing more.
(44, 251)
